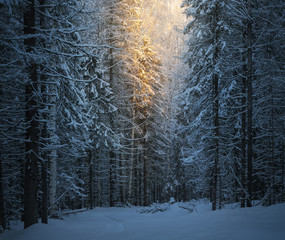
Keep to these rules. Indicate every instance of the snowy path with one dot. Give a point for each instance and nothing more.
(175, 224)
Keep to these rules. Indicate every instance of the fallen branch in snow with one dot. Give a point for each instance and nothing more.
(156, 207)
(162, 207)
(68, 212)
(188, 208)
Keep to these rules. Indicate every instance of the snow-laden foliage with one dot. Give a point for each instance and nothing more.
(71, 101)
(12, 123)
(232, 93)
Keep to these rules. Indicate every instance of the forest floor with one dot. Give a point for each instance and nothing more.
(188, 221)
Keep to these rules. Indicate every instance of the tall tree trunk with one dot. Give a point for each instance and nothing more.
(272, 143)
(282, 171)
(243, 138)
(112, 170)
(129, 198)
(123, 174)
(99, 186)
(44, 194)
(249, 104)
(91, 192)
(32, 132)
(216, 142)
(140, 176)
(216, 115)
(112, 180)
(136, 179)
(2, 209)
(53, 154)
(145, 174)
(44, 136)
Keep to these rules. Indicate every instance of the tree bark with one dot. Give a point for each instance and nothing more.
(44, 175)
(129, 198)
(243, 138)
(112, 179)
(44, 136)
(112, 170)
(249, 105)
(145, 174)
(272, 143)
(216, 116)
(216, 142)
(282, 170)
(53, 154)
(32, 132)
(2, 209)
(44, 194)
(91, 192)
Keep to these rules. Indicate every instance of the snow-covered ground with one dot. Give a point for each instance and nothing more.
(258, 223)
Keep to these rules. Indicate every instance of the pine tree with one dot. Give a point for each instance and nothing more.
(32, 128)
(205, 57)
(12, 105)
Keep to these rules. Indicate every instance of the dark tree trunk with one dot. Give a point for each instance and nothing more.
(216, 143)
(249, 106)
(2, 209)
(44, 194)
(145, 174)
(44, 136)
(140, 179)
(122, 189)
(145, 197)
(282, 172)
(112, 174)
(32, 132)
(272, 143)
(136, 176)
(91, 192)
(216, 118)
(243, 138)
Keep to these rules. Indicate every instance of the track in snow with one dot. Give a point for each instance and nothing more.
(258, 223)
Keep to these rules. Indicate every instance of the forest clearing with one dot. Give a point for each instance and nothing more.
(175, 223)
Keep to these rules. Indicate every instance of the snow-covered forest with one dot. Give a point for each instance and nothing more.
(123, 103)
